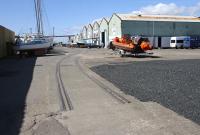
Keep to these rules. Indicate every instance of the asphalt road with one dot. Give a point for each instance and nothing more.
(173, 84)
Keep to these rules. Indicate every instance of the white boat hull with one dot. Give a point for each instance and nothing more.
(32, 47)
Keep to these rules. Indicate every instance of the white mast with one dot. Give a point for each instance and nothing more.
(39, 21)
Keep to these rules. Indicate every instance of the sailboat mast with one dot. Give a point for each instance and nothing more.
(39, 21)
(40, 15)
(36, 15)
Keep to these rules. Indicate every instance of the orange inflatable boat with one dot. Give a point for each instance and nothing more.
(135, 46)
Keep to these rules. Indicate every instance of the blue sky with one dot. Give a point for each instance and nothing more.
(67, 16)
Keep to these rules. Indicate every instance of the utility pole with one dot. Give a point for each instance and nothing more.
(31, 32)
(53, 31)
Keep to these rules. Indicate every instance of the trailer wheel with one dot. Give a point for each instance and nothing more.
(111, 46)
(122, 53)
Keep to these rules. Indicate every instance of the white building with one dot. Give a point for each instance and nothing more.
(89, 34)
(159, 28)
(104, 32)
(96, 32)
(84, 33)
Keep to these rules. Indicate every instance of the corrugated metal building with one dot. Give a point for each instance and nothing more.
(74, 39)
(89, 34)
(7, 39)
(153, 26)
(84, 32)
(104, 36)
(96, 32)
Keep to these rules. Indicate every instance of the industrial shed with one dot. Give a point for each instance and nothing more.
(156, 26)
(104, 37)
(75, 38)
(89, 34)
(7, 39)
(84, 32)
(96, 32)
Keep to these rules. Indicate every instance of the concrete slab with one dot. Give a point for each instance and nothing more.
(95, 111)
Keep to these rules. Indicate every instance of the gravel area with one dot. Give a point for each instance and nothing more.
(173, 84)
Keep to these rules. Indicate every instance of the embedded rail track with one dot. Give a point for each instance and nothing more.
(111, 92)
(66, 103)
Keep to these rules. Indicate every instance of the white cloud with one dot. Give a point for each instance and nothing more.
(169, 9)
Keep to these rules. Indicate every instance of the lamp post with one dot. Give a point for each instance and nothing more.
(53, 31)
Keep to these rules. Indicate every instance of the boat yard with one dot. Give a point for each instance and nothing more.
(94, 91)
(124, 74)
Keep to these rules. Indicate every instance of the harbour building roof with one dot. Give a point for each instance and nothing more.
(158, 18)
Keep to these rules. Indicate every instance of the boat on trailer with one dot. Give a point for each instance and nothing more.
(34, 43)
(132, 45)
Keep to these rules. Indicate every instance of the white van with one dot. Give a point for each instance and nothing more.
(180, 42)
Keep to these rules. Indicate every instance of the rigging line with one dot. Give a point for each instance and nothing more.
(39, 15)
(36, 14)
(20, 31)
(41, 19)
(47, 18)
